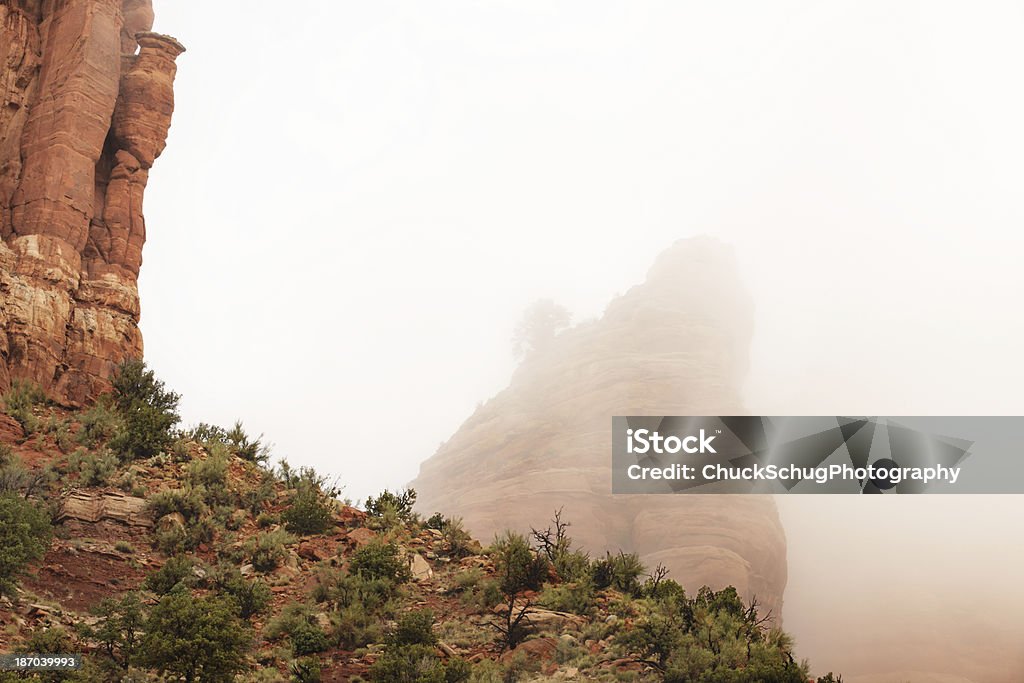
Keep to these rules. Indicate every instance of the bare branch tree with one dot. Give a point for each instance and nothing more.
(553, 541)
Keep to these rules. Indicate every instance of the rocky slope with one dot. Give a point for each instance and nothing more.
(675, 345)
(87, 97)
(380, 594)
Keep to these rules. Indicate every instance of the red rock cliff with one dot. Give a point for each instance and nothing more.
(87, 95)
(675, 345)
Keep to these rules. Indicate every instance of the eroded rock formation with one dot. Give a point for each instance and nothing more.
(94, 507)
(675, 345)
(87, 99)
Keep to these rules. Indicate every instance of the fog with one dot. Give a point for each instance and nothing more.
(359, 199)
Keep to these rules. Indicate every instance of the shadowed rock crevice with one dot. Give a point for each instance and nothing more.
(88, 95)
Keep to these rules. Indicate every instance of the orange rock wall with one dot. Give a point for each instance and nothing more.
(87, 96)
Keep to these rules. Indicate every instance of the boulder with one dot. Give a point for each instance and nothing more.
(419, 567)
(309, 551)
(357, 538)
(172, 522)
(93, 507)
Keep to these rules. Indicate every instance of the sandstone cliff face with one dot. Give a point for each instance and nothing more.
(87, 96)
(675, 345)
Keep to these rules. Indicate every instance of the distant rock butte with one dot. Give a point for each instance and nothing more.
(87, 100)
(675, 345)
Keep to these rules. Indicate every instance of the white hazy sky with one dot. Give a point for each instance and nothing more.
(359, 199)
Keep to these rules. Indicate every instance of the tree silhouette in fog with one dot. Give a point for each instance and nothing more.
(540, 323)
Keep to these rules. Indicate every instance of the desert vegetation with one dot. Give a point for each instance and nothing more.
(241, 569)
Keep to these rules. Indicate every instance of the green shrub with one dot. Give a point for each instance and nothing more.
(399, 504)
(484, 596)
(554, 542)
(299, 623)
(176, 571)
(662, 589)
(124, 547)
(245, 448)
(205, 434)
(171, 541)
(414, 628)
(211, 476)
(519, 568)
(24, 537)
(210, 472)
(19, 402)
(435, 521)
(118, 628)
(229, 518)
(413, 663)
(713, 636)
(308, 513)
(179, 451)
(195, 638)
(355, 626)
(575, 597)
(253, 597)
(53, 640)
(285, 622)
(468, 579)
(268, 550)
(830, 678)
(94, 469)
(267, 519)
(308, 638)
(305, 670)
(378, 560)
(305, 477)
(519, 667)
(128, 482)
(188, 502)
(573, 565)
(621, 572)
(148, 411)
(419, 663)
(253, 499)
(17, 479)
(456, 537)
(343, 590)
(457, 670)
(99, 424)
(60, 432)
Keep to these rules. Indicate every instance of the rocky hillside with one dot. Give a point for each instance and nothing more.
(675, 345)
(183, 553)
(87, 96)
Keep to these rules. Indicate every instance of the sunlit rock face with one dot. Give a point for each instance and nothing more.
(675, 345)
(87, 95)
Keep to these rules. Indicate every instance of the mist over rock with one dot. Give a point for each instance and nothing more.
(675, 345)
(88, 95)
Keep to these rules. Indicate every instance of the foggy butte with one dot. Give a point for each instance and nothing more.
(675, 345)
(88, 95)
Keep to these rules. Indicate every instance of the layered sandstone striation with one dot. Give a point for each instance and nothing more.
(87, 94)
(675, 345)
